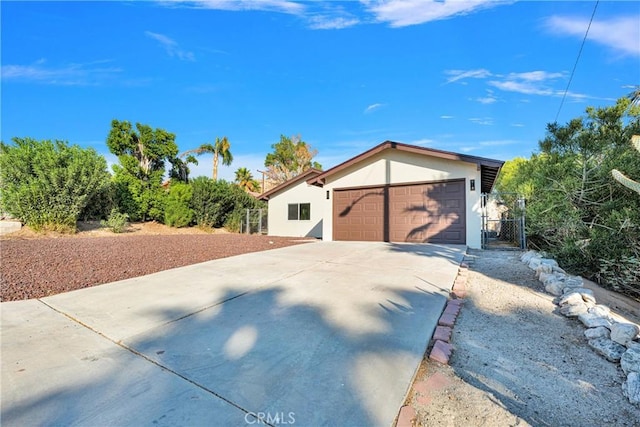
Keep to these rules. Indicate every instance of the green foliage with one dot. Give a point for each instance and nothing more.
(241, 202)
(290, 157)
(219, 203)
(177, 212)
(575, 209)
(245, 180)
(48, 184)
(117, 222)
(143, 154)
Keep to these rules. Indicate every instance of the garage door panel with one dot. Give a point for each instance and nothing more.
(417, 213)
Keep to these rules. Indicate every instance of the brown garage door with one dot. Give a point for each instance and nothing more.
(433, 212)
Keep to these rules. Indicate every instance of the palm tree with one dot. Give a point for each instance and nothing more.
(245, 180)
(221, 148)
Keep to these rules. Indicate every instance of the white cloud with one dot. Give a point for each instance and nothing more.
(446, 117)
(622, 34)
(282, 6)
(171, 46)
(67, 75)
(457, 75)
(529, 83)
(489, 99)
(401, 13)
(424, 142)
(484, 121)
(371, 108)
(322, 22)
(534, 83)
(517, 125)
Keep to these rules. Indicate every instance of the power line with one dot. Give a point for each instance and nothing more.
(564, 95)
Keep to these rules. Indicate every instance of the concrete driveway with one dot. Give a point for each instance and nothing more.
(323, 333)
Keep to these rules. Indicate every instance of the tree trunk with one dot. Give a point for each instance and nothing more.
(215, 166)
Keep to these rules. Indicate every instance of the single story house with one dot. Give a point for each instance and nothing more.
(393, 192)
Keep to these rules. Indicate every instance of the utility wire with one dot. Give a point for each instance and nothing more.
(564, 95)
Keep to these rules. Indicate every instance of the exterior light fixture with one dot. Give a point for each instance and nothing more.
(473, 184)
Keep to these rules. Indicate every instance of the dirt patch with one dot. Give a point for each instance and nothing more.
(517, 361)
(95, 229)
(35, 266)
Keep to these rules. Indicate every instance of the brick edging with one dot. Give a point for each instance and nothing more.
(441, 347)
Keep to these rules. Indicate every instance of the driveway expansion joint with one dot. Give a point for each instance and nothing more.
(161, 366)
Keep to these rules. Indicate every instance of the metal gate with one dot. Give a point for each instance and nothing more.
(503, 221)
(255, 221)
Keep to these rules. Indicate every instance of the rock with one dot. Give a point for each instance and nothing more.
(571, 298)
(581, 290)
(547, 278)
(585, 294)
(597, 332)
(555, 287)
(612, 351)
(631, 388)
(622, 333)
(574, 281)
(559, 270)
(630, 361)
(591, 320)
(600, 310)
(634, 345)
(534, 263)
(543, 268)
(526, 257)
(549, 261)
(574, 310)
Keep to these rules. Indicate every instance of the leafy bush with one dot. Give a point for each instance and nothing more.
(241, 202)
(576, 211)
(117, 222)
(47, 184)
(220, 203)
(177, 212)
(211, 202)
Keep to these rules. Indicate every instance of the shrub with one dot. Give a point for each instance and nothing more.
(47, 184)
(177, 212)
(220, 203)
(117, 222)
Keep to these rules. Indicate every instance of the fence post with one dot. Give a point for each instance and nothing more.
(523, 233)
(248, 224)
(260, 221)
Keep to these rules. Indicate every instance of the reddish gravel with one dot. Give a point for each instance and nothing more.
(35, 268)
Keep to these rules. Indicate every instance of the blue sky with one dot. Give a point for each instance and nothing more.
(479, 77)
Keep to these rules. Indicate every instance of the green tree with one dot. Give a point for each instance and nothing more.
(143, 153)
(575, 209)
(180, 168)
(290, 157)
(177, 212)
(221, 148)
(245, 180)
(47, 184)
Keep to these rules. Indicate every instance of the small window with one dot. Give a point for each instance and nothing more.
(293, 212)
(299, 211)
(305, 211)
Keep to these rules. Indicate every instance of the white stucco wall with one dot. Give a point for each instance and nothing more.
(278, 222)
(397, 167)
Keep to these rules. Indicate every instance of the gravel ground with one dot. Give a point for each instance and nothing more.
(37, 267)
(517, 361)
